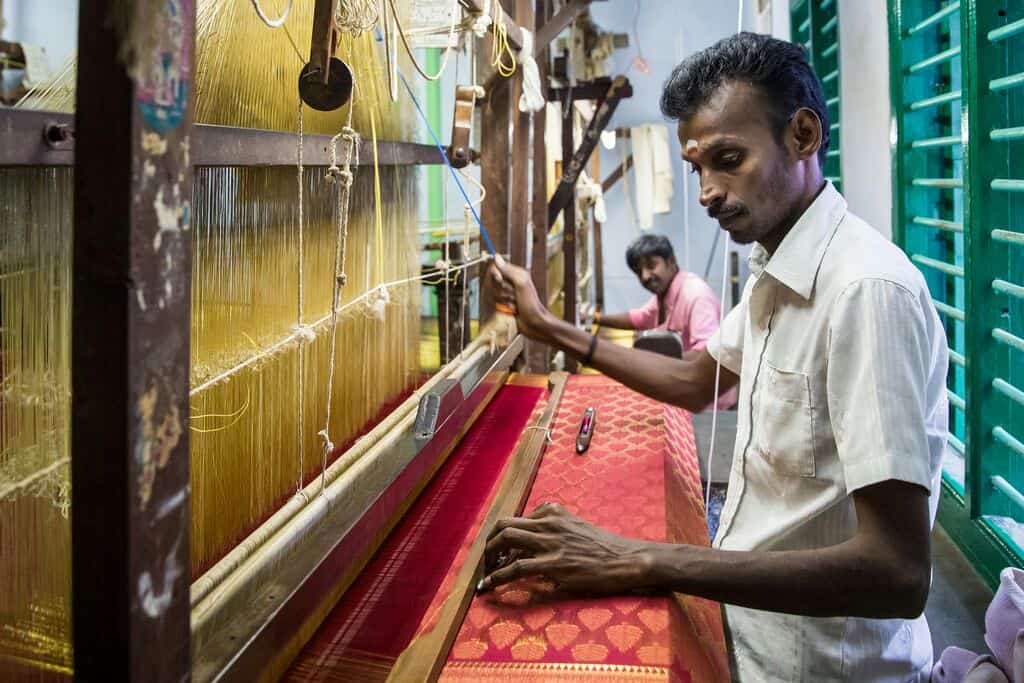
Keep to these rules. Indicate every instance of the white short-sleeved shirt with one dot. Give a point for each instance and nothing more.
(842, 363)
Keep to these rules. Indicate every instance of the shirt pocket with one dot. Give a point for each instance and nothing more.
(785, 422)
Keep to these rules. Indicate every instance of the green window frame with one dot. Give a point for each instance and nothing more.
(957, 71)
(815, 25)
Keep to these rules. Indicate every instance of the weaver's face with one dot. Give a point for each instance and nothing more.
(746, 174)
(656, 274)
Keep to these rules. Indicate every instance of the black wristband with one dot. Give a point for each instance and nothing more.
(590, 351)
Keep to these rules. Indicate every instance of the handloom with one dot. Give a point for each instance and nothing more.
(317, 443)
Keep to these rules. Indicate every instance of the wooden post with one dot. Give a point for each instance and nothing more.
(130, 343)
(452, 311)
(519, 202)
(569, 216)
(495, 156)
(598, 268)
(538, 356)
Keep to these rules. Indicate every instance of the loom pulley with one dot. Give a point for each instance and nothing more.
(459, 153)
(325, 83)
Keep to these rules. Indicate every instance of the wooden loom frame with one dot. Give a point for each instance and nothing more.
(130, 470)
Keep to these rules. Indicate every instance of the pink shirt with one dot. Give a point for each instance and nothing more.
(692, 310)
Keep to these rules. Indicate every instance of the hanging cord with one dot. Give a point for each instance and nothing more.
(233, 418)
(273, 23)
(342, 178)
(721, 317)
(627, 188)
(296, 337)
(455, 22)
(389, 53)
(448, 163)
(500, 47)
(356, 16)
(465, 280)
(383, 297)
(304, 333)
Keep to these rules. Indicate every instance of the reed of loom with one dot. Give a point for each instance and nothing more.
(249, 454)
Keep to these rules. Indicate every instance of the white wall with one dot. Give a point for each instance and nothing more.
(865, 110)
(663, 26)
(780, 19)
(52, 24)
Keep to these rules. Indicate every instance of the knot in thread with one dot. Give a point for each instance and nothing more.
(349, 134)
(328, 444)
(481, 23)
(377, 302)
(304, 333)
(341, 279)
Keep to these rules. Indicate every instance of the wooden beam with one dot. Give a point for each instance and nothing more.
(549, 30)
(42, 138)
(130, 342)
(596, 89)
(616, 175)
(494, 174)
(515, 34)
(545, 32)
(565, 192)
(520, 181)
(598, 267)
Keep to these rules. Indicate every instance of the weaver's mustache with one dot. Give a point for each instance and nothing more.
(722, 210)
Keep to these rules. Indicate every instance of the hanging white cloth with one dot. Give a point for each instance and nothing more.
(532, 98)
(652, 164)
(590, 191)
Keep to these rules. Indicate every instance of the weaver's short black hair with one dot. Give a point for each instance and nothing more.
(646, 246)
(777, 68)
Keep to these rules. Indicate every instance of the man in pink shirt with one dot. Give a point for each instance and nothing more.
(682, 302)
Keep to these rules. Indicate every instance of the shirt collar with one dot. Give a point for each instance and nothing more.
(796, 261)
(673, 289)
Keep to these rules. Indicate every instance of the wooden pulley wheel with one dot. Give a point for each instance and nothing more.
(326, 94)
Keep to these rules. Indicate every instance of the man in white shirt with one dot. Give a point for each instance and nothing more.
(822, 558)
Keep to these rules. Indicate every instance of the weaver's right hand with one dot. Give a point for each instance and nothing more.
(513, 286)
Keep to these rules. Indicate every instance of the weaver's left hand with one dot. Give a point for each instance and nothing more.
(556, 544)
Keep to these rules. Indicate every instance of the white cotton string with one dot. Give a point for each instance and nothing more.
(466, 214)
(272, 23)
(721, 317)
(343, 179)
(718, 371)
(546, 430)
(315, 326)
(356, 16)
(31, 479)
(456, 20)
(447, 279)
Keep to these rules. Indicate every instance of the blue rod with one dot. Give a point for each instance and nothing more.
(444, 155)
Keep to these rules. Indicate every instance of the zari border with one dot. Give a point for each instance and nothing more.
(550, 672)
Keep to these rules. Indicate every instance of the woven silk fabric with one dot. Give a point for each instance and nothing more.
(378, 615)
(639, 478)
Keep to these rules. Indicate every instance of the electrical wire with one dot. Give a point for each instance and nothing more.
(721, 317)
(448, 163)
(272, 23)
(408, 48)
